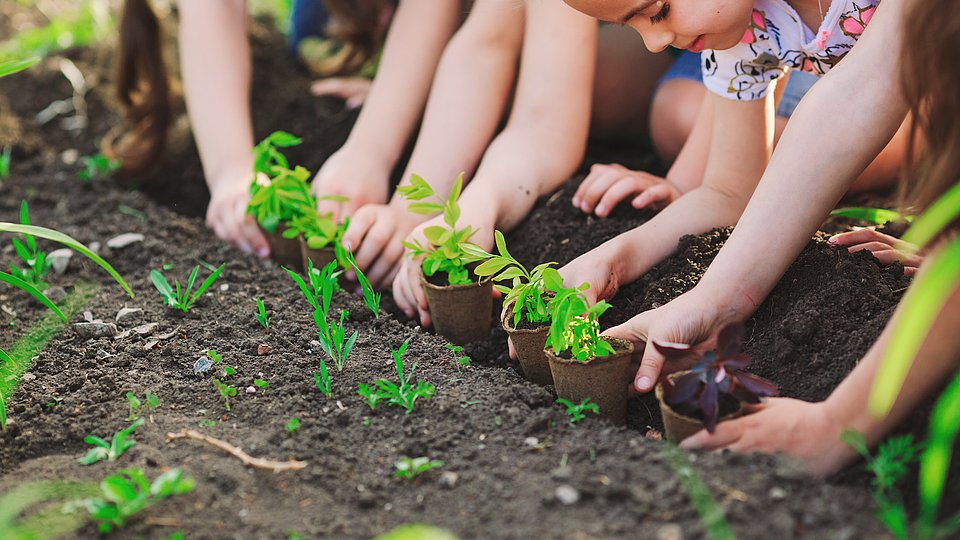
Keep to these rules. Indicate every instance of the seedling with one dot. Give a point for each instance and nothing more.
(262, 317)
(370, 297)
(409, 468)
(277, 193)
(5, 162)
(212, 354)
(136, 405)
(335, 343)
(322, 380)
(877, 216)
(226, 392)
(98, 166)
(527, 287)
(461, 359)
(110, 451)
(889, 466)
(318, 230)
(293, 424)
(260, 383)
(575, 325)
(697, 393)
(129, 492)
(445, 250)
(332, 336)
(371, 395)
(577, 410)
(36, 266)
(404, 394)
(183, 298)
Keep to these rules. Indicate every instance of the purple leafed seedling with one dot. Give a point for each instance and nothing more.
(697, 393)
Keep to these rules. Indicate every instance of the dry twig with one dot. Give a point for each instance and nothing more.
(259, 463)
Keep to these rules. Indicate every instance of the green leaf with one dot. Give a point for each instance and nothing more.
(207, 282)
(32, 291)
(9, 68)
(455, 191)
(435, 234)
(501, 244)
(940, 214)
(118, 489)
(425, 207)
(878, 216)
(492, 266)
(163, 286)
(935, 461)
(283, 139)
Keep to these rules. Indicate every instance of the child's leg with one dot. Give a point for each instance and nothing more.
(676, 104)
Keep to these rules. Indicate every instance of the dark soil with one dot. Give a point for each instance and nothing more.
(502, 438)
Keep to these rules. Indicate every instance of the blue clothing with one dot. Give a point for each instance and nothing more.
(308, 18)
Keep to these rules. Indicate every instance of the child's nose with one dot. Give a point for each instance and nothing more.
(657, 39)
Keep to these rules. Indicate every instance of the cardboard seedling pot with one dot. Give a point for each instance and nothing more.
(285, 251)
(529, 343)
(460, 313)
(320, 257)
(604, 380)
(679, 426)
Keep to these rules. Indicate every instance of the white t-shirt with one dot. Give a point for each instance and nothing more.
(777, 39)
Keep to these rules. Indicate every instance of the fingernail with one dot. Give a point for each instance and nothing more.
(348, 245)
(263, 252)
(576, 201)
(601, 210)
(644, 384)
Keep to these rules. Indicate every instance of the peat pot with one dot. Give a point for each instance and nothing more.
(320, 257)
(529, 343)
(285, 251)
(460, 313)
(602, 379)
(679, 426)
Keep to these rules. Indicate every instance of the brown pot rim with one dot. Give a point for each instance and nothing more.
(658, 392)
(427, 284)
(621, 348)
(506, 315)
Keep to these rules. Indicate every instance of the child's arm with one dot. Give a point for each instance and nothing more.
(811, 431)
(215, 59)
(469, 94)
(361, 169)
(543, 141)
(839, 127)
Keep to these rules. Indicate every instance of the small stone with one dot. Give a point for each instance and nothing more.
(561, 473)
(566, 495)
(224, 287)
(102, 354)
(70, 156)
(202, 365)
(671, 531)
(251, 390)
(59, 259)
(88, 316)
(531, 441)
(128, 315)
(94, 247)
(448, 479)
(778, 493)
(93, 330)
(263, 349)
(149, 344)
(56, 294)
(123, 240)
(27, 377)
(146, 329)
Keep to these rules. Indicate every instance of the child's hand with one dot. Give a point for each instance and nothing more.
(353, 173)
(375, 236)
(353, 90)
(806, 431)
(592, 267)
(884, 247)
(607, 185)
(227, 216)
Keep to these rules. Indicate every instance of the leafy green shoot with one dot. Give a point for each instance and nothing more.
(462, 360)
(293, 425)
(35, 263)
(260, 383)
(129, 492)
(877, 216)
(226, 392)
(110, 451)
(404, 393)
(322, 380)
(332, 336)
(370, 296)
(575, 325)
(262, 317)
(371, 395)
(98, 166)
(277, 193)
(318, 230)
(935, 462)
(136, 406)
(183, 297)
(445, 249)
(5, 158)
(526, 293)
(409, 468)
(889, 466)
(334, 342)
(11, 67)
(576, 410)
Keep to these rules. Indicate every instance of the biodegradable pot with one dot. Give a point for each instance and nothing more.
(680, 426)
(285, 251)
(460, 313)
(602, 379)
(320, 257)
(529, 343)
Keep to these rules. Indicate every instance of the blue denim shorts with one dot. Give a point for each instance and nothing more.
(687, 66)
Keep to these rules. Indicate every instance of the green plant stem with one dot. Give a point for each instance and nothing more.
(711, 515)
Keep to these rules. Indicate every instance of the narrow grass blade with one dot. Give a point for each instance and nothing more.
(9, 68)
(940, 214)
(32, 291)
(935, 460)
(878, 216)
(711, 514)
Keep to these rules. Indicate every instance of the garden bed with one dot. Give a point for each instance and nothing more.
(512, 462)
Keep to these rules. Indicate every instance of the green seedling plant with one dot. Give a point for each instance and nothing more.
(332, 336)
(576, 410)
(110, 451)
(318, 230)
(150, 402)
(527, 288)
(260, 383)
(278, 194)
(371, 298)
(226, 392)
(889, 465)
(445, 250)
(461, 359)
(877, 216)
(293, 425)
(575, 325)
(409, 468)
(125, 494)
(98, 166)
(371, 395)
(11, 67)
(262, 317)
(322, 380)
(335, 343)
(404, 394)
(217, 359)
(183, 297)
(5, 158)
(35, 263)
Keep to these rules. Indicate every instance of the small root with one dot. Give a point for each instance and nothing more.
(259, 463)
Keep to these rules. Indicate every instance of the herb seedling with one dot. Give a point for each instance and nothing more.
(577, 410)
(318, 230)
(461, 359)
(370, 296)
(322, 380)
(183, 298)
(404, 394)
(260, 383)
(372, 395)
(226, 392)
(889, 466)
(293, 424)
(697, 393)
(445, 250)
(277, 193)
(409, 468)
(130, 491)
(98, 166)
(212, 354)
(136, 405)
(527, 287)
(36, 265)
(332, 336)
(5, 162)
(575, 325)
(334, 342)
(110, 451)
(262, 317)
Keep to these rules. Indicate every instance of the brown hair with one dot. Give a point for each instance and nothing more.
(358, 26)
(930, 77)
(142, 87)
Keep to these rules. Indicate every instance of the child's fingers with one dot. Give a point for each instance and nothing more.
(360, 225)
(513, 351)
(384, 267)
(861, 236)
(594, 186)
(374, 242)
(402, 296)
(422, 306)
(332, 207)
(724, 435)
(652, 195)
(620, 190)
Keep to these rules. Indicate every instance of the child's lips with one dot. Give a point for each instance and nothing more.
(697, 45)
